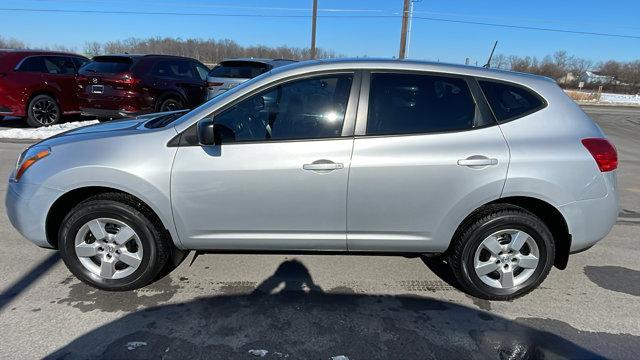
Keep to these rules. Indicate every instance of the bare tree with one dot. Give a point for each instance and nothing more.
(11, 43)
(92, 48)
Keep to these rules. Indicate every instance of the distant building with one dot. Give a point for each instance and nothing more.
(590, 77)
(568, 78)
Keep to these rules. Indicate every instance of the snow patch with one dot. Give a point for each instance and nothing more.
(620, 99)
(260, 353)
(339, 357)
(132, 345)
(44, 131)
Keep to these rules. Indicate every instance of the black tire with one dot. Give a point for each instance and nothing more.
(481, 225)
(43, 110)
(170, 104)
(155, 242)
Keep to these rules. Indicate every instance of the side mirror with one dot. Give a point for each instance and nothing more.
(210, 133)
(205, 132)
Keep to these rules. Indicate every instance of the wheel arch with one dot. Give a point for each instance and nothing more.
(170, 94)
(48, 92)
(61, 207)
(549, 214)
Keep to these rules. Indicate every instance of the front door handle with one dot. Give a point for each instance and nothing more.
(323, 165)
(477, 161)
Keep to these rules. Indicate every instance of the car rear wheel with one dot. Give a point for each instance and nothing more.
(170, 104)
(111, 243)
(43, 110)
(501, 253)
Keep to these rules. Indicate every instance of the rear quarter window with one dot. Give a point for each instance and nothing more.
(509, 102)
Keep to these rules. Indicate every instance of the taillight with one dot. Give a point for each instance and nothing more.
(214, 83)
(603, 152)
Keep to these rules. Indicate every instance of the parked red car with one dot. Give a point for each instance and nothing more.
(116, 86)
(38, 85)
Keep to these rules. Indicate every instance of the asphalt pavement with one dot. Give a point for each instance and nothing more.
(319, 307)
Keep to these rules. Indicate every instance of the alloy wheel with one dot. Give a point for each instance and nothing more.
(45, 111)
(506, 258)
(108, 248)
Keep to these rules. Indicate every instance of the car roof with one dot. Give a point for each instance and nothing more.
(24, 52)
(138, 56)
(272, 62)
(408, 65)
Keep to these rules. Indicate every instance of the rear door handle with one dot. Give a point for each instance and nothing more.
(323, 165)
(477, 161)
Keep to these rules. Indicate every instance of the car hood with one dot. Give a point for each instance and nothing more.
(106, 129)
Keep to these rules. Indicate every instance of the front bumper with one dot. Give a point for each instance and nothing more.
(27, 208)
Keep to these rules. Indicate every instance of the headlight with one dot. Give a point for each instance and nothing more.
(30, 157)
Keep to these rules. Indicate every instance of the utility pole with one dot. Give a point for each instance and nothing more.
(403, 33)
(313, 29)
(410, 26)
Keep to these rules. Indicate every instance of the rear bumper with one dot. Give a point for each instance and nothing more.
(27, 208)
(589, 221)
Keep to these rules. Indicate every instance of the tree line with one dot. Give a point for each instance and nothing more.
(567, 70)
(209, 51)
(561, 66)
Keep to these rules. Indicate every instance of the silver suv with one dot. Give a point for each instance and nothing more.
(498, 172)
(230, 73)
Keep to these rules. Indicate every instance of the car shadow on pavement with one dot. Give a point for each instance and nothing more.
(28, 279)
(289, 316)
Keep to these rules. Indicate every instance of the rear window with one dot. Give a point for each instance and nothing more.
(509, 102)
(239, 70)
(108, 65)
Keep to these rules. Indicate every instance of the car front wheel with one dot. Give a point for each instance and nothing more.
(501, 253)
(111, 243)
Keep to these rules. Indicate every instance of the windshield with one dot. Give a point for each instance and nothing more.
(205, 109)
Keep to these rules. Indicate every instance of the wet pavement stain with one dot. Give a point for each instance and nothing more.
(307, 323)
(615, 278)
(86, 298)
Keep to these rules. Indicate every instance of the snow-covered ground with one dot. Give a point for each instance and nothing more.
(620, 99)
(604, 98)
(42, 132)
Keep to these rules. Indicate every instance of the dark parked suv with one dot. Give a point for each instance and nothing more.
(115, 86)
(38, 85)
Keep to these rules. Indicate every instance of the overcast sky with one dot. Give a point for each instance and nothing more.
(442, 30)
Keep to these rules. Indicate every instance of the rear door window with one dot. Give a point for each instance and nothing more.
(239, 70)
(509, 102)
(33, 64)
(60, 65)
(175, 69)
(108, 65)
(417, 104)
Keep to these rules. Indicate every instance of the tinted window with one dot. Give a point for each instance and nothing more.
(33, 64)
(508, 101)
(59, 65)
(180, 69)
(80, 62)
(239, 70)
(303, 109)
(410, 104)
(202, 71)
(108, 65)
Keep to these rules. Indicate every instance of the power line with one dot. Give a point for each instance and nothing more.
(479, 23)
